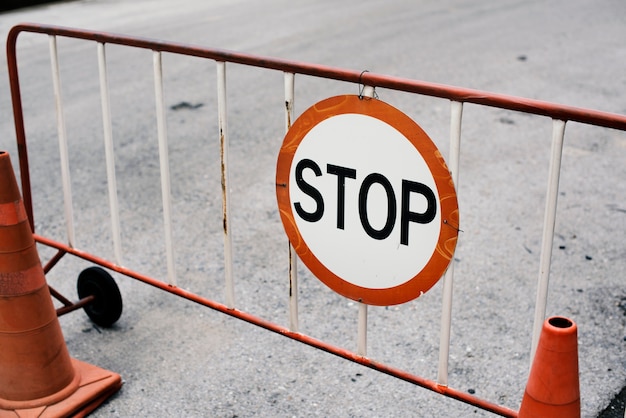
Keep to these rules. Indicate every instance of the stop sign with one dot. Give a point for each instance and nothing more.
(367, 200)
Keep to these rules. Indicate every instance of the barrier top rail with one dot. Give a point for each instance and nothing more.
(536, 107)
(560, 114)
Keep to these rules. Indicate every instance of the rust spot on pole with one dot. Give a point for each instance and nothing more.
(223, 170)
(288, 108)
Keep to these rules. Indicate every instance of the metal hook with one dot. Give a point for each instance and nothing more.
(362, 86)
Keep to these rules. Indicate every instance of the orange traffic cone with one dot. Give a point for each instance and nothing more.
(553, 389)
(37, 376)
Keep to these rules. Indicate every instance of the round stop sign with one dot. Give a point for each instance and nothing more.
(367, 200)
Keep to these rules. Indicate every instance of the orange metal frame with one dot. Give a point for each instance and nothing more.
(462, 95)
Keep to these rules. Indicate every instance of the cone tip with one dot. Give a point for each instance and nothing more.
(9, 191)
(560, 325)
(560, 322)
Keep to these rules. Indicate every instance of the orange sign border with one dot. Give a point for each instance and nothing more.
(449, 229)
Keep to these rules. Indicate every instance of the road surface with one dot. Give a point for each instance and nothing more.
(181, 359)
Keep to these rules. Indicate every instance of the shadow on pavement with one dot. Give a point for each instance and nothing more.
(616, 407)
(18, 4)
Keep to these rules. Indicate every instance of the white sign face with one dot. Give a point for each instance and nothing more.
(357, 184)
(367, 200)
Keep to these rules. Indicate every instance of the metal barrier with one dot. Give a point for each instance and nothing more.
(457, 97)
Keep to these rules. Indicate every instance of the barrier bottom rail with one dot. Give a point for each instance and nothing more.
(278, 329)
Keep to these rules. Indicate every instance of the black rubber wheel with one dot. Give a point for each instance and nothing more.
(106, 308)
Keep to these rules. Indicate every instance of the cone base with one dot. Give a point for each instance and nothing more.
(533, 408)
(96, 385)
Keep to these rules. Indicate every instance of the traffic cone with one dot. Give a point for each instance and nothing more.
(37, 376)
(553, 389)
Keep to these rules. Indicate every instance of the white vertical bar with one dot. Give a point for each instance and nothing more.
(109, 154)
(367, 91)
(164, 164)
(456, 115)
(558, 133)
(361, 349)
(223, 128)
(289, 79)
(63, 151)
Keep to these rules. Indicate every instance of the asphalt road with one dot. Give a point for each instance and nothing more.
(181, 359)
